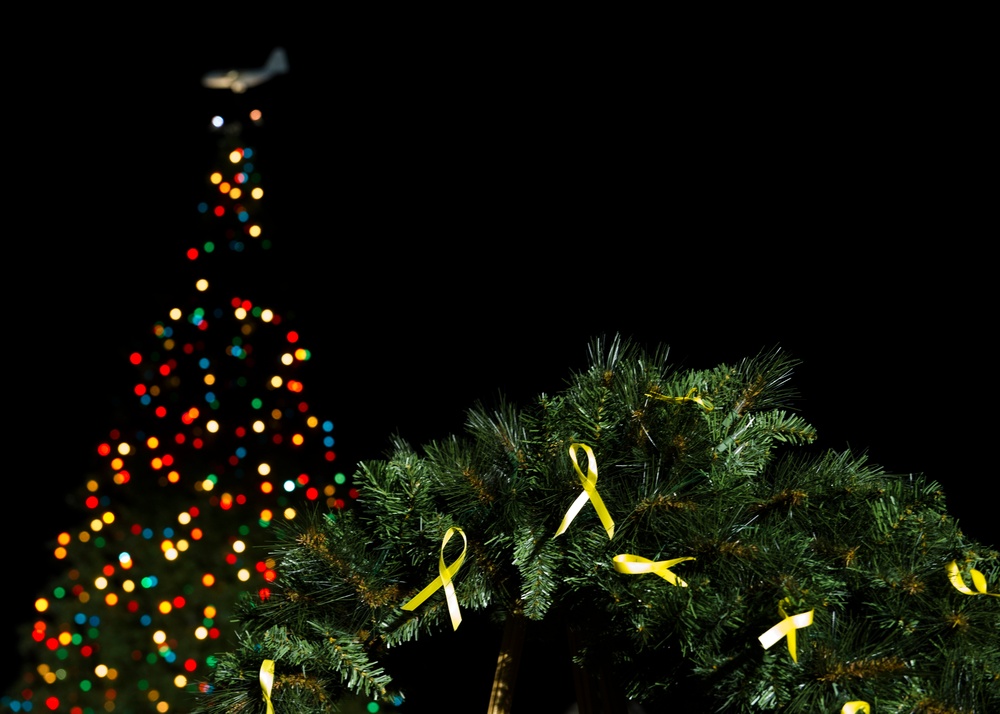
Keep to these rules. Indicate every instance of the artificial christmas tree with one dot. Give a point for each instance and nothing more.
(676, 534)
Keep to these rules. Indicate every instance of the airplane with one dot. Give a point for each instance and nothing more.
(240, 80)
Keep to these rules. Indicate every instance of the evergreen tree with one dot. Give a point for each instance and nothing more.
(217, 441)
(679, 529)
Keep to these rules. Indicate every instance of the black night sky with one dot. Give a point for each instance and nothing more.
(452, 220)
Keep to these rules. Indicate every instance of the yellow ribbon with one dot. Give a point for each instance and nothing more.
(978, 579)
(856, 707)
(267, 681)
(589, 492)
(786, 628)
(704, 403)
(637, 565)
(444, 579)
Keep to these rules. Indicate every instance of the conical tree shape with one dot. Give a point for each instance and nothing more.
(679, 526)
(218, 440)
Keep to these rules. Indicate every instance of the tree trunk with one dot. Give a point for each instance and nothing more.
(508, 661)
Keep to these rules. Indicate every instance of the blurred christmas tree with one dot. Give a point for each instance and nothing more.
(644, 524)
(216, 444)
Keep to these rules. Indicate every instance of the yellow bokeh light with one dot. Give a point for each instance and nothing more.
(209, 379)
(162, 707)
(175, 313)
(92, 485)
(152, 442)
(202, 285)
(298, 439)
(101, 670)
(243, 575)
(287, 359)
(264, 469)
(101, 583)
(312, 422)
(235, 192)
(165, 607)
(212, 426)
(276, 381)
(241, 314)
(257, 193)
(258, 426)
(239, 546)
(235, 156)
(64, 538)
(182, 545)
(208, 484)
(301, 354)
(159, 637)
(208, 580)
(184, 518)
(124, 448)
(108, 517)
(171, 554)
(266, 315)
(266, 515)
(201, 632)
(117, 464)
(289, 513)
(210, 611)
(41, 604)
(180, 681)
(254, 231)
(215, 178)
(60, 553)
(96, 525)
(65, 638)
(111, 599)
(128, 586)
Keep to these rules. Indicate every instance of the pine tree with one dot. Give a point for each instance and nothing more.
(218, 440)
(678, 535)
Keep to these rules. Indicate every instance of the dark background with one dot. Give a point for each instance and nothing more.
(457, 215)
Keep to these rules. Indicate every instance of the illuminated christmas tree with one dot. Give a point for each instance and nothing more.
(219, 440)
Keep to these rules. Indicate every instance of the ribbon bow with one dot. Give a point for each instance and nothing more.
(637, 565)
(786, 628)
(978, 579)
(701, 401)
(444, 580)
(267, 681)
(589, 483)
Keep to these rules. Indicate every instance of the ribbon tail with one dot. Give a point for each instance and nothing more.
(419, 598)
(266, 682)
(571, 513)
(602, 513)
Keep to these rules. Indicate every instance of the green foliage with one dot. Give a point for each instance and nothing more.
(690, 464)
